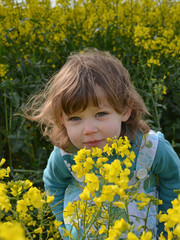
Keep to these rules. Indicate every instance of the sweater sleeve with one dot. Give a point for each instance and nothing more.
(167, 166)
(56, 178)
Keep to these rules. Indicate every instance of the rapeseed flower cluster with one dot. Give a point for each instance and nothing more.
(102, 208)
(171, 220)
(24, 210)
(149, 25)
(35, 20)
(159, 88)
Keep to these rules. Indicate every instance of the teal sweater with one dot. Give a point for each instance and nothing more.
(166, 165)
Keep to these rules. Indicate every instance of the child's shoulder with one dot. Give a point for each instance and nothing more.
(165, 152)
(154, 142)
(155, 136)
(57, 156)
(60, 156)
(163, 145)
(59, 162)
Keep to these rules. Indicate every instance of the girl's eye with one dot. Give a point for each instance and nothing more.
(101, 114)
(74, 118)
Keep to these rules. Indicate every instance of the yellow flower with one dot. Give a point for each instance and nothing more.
(78, 169)
(114, 234)
(85, 195)
(107, 150)
(144, 200)
(35, 197)
(139, 227)
(161, 237)
(69, 209)
(100, 161)
(67, 233)
(49, 198)
(102, 229)
(164, 91)
(127, 162)
(121, 225)
(3, 160)
(119, 204)
(11, 230)
(92, 181)
(177, 230)
(92, 231)
(27, 184)
(146, 236)
(3, 70)
(16, 190)
(98, 201)
(4, 199)
(22, 205)
(38, 230)
(170, 234)
(108, 193)
(96, 152)
(118, 228)
(163, 217)
(4, 172)
(153, 61)
(132, 236)
(171, 219)
(57, 223)
(5, 203)
(88, 164)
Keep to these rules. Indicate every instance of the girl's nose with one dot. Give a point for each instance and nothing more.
(89, 128)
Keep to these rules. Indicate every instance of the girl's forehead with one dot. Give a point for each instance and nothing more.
(78, 101)
(100, 93)
(103, 105)
(101, 98)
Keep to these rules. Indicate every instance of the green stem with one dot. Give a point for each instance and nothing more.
(27, 171)
(10, 114)
(41, 221)
(7, 129)
(26, 230)
(110, 207)
(127, 212)
(150, 90)
(84, 217)
(145, 221)
(28, 233)
(93, 220)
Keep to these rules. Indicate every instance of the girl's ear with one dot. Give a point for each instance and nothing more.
(126, 114)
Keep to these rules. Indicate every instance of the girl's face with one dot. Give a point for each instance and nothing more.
(92, 127)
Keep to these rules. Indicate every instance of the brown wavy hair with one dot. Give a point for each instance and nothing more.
(72, 87)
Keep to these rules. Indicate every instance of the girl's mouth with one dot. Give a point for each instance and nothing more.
(93, 143)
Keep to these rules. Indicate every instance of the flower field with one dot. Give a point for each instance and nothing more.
(36, 38)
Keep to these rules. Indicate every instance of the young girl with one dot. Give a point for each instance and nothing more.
(89, 100)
